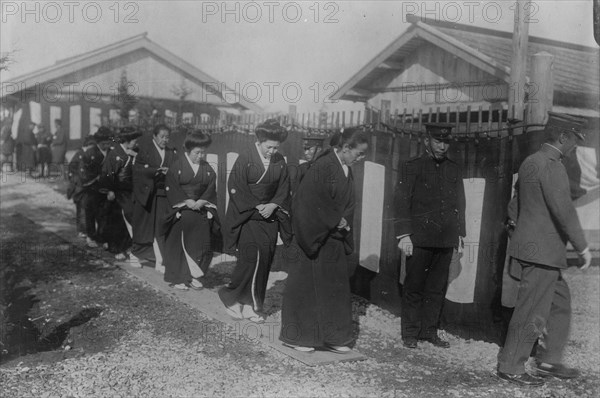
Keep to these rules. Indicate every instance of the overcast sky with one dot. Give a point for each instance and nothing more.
(305, 43)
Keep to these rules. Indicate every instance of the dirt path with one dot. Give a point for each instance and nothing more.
(93, 330)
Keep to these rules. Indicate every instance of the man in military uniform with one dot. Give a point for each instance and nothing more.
(312, 146)
(430, 224)
(544, 219)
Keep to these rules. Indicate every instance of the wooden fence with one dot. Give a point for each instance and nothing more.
(485, 144)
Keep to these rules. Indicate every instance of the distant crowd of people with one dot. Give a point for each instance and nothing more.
(36, 150)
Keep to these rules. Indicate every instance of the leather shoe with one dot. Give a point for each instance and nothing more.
(522, 379)
(559, 371)
(436, 341)
(410, 342)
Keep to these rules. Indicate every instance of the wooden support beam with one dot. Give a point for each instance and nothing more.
(516, 96)
(392, 65)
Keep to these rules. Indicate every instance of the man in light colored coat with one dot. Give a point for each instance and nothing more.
(545, 219)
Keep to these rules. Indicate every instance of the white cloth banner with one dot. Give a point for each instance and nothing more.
(372, 216)
(463, 269)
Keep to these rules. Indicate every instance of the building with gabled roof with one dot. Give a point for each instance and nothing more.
(83, 90)
(437, 63)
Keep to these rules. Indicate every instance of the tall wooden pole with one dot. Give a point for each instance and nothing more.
(541, 97)
(518, 67)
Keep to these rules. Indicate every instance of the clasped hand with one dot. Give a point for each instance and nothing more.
(195, 204)
(265, 210)
(343, 224)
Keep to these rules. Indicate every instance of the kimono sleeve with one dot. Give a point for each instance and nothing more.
(110, 168)
(281, 197)
(210, 194)
(239, 191)
(175, 195)
(143, 177)
(316, 214)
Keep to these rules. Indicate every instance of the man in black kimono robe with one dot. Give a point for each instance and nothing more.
(317, 306)
(149, 199)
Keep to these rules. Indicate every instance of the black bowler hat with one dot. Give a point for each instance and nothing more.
(567, 123)
(439, 131)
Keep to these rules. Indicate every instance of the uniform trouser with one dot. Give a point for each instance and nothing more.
(543, 309)
(424, 290)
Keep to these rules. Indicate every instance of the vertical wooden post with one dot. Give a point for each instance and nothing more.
(542, 87)
(518, 67)
(542, 96)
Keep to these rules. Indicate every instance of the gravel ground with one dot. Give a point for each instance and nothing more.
(106, 334)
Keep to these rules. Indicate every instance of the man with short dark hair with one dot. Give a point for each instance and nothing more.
(312, 145)
(430, 224)
(545, 219)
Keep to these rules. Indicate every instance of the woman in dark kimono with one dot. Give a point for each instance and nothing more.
(258, 191)
(149, 197)
(317, 307)
(191, 192)
(116, 182)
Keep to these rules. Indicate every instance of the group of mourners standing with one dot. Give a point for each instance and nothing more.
(153, 199)
(311, 208)
(146, 201)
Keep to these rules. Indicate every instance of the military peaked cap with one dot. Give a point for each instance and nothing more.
(439, 131)
(564, 122)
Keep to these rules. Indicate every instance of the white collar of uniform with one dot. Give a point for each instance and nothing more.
(559, 151)
(265, 161)
(194, 166)
(161, 151)
(344, 167)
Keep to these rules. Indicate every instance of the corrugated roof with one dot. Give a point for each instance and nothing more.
(576, 67)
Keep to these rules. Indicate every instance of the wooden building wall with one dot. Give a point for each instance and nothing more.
(434, 77)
